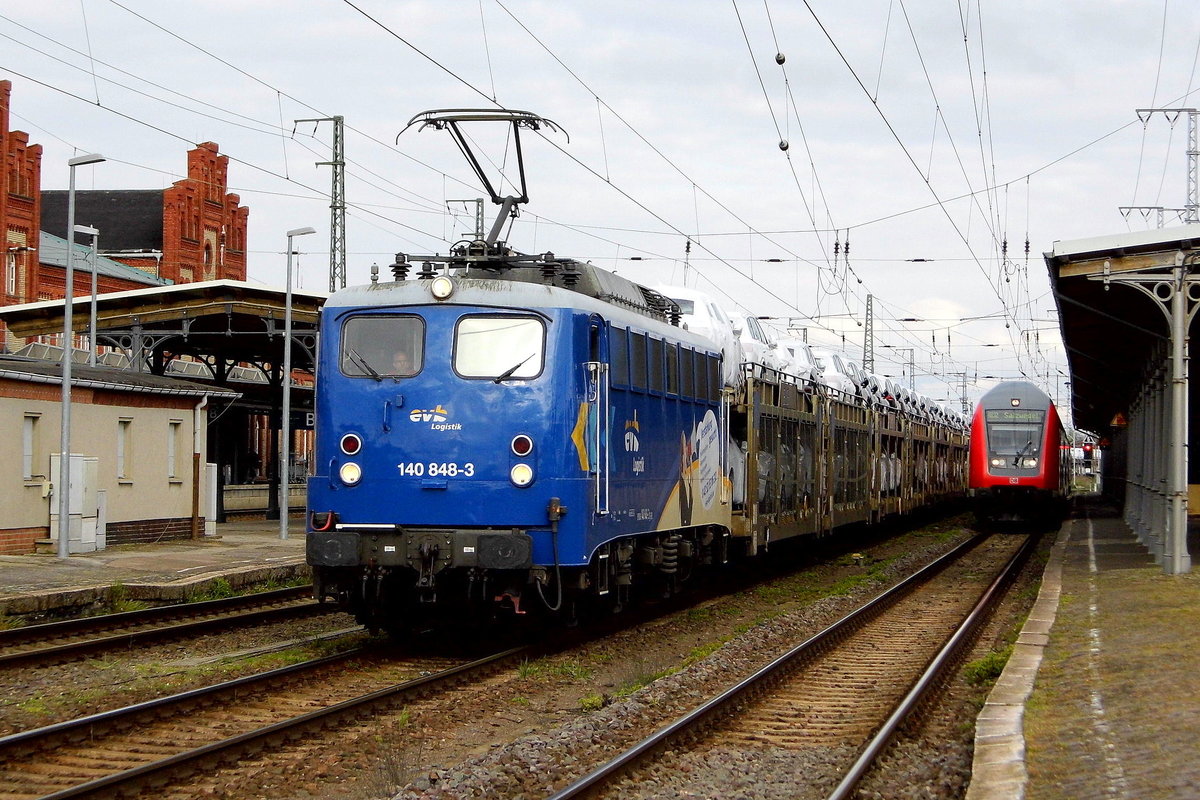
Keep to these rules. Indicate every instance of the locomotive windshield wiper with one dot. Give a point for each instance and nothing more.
(1021, 452)
(508, 373)
(362, 363)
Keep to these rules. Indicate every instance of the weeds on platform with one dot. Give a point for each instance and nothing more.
(986, 670)
(119, 602)
(221, 589)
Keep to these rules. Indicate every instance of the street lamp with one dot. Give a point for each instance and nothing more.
(285, 449)
(95, 234)
(64, 455)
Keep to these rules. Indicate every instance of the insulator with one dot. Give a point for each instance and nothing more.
(427, 271)
(400, 267)
(570, 275)
(779, 58)
(374, 273)
(783, 144)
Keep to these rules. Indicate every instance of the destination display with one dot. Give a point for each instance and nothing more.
(1014, 414)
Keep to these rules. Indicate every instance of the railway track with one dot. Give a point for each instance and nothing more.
(827, 708)
(55, 642)
(154, 744)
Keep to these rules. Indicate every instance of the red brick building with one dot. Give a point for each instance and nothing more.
(193, 231)
(33, 263)
(20, 209)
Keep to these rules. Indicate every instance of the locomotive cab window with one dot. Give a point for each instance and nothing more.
(383, 346)
(1013, 431)
(499, 347)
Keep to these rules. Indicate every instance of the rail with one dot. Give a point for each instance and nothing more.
(725, 704)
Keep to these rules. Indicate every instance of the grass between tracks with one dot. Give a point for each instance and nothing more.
(142, 681)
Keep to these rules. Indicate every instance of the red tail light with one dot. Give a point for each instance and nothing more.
(522, 445)
(351, 444)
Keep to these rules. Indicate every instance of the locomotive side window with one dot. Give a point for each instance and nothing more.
(657, 379)
(618, 354)
(672, 368)
(688, 361)
(637, 360)
(499, 347)
(376, 346)
(714, 378)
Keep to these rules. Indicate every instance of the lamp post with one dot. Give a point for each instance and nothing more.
(64, 456)
(95, 234)
(285, 449)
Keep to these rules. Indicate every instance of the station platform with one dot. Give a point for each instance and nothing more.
(242, 552)
(1101, 697)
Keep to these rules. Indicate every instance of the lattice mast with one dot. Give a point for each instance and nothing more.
(337, 203)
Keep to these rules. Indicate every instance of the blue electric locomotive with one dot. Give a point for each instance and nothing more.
(494, 431)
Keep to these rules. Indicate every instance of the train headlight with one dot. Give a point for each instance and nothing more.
(1029, 462)
(442, 287)
(997, 462)
(350, 473)
(521, 475)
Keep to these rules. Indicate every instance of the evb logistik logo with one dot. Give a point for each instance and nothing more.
(437, 417)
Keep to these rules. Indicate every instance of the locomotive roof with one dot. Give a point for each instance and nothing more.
(595, 291)
(1002, 395)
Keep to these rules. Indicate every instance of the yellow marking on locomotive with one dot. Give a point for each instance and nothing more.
(577, 436)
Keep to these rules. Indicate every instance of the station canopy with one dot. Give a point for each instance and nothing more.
(230, 331)
(1112, 331)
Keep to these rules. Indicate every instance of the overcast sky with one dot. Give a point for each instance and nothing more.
(922, 133)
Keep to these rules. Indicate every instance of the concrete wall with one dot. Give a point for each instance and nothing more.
(149, 498)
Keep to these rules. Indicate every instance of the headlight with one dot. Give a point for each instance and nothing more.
(442, 287)
(1029, 462)
(521, 475)
(997, 462)
(350, 473)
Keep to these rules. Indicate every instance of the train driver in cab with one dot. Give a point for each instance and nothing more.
(402, 363)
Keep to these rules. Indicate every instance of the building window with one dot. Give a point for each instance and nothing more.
(124, 447)
(10, 273)
(29, 445)
(173, 447)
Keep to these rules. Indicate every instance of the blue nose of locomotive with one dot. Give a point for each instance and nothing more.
(447, 446)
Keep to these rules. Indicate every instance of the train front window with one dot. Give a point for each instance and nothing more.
(499, 348)
(383, 346)
(1011, 440)
(1014, 431)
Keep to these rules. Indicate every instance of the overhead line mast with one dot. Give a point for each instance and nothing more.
(337, 203)
(1191, 212)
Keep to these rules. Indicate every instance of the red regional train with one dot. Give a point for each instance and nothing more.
(1017, 468)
